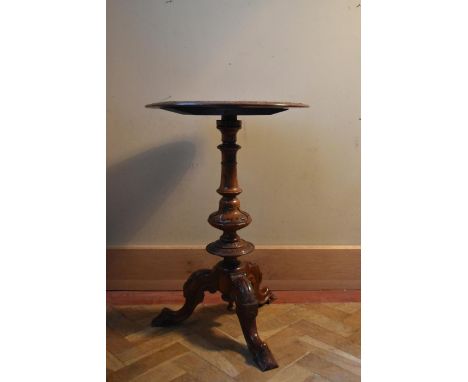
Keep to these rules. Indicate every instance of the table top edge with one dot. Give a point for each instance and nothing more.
(226, 104)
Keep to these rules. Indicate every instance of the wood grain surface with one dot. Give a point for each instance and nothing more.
(311, 342)
(283, 267)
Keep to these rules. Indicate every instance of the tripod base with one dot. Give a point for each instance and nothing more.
(239, 285)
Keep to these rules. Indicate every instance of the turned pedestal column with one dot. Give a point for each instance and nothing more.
(239, 282)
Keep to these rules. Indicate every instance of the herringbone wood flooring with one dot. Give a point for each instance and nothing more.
(317, 342)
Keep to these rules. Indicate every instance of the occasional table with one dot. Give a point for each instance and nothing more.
(238, 282)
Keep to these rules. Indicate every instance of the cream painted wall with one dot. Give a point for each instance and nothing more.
(300, 169)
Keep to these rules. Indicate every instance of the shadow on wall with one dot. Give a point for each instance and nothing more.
(138, 186)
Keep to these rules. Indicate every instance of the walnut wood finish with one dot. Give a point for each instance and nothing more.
(239, 283)
(229, 218)
(225, 107)
(240, 286)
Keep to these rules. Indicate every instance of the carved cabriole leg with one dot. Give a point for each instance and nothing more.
(247, 309)
(194, 292)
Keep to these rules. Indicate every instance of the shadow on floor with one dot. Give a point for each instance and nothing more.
(138, 186)
(198, 329)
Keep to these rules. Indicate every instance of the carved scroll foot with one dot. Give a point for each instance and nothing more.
(264, 295)
(247, 309)
(194, 292)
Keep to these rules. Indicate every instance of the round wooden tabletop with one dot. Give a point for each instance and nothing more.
(225, 107)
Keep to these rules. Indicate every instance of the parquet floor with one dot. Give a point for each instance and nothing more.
(318, 342)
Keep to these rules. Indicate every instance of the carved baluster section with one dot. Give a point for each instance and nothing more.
(229, 218)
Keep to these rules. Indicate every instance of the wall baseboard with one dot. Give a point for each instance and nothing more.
(284, 267)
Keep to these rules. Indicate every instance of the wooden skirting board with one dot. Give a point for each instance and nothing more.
(284, 267)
